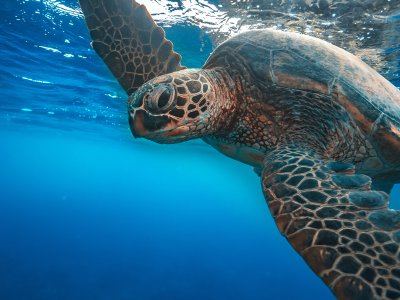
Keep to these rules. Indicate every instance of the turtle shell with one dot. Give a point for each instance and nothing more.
(297, 61)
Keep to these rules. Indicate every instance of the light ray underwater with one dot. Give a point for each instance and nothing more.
(200, 149)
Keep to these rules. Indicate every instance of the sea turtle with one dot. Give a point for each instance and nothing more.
(314, 121)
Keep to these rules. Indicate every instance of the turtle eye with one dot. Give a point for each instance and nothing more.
(162, 100)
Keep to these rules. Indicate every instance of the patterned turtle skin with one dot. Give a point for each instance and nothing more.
(320, 127)
(350, 112)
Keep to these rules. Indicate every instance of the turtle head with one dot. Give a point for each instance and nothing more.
(175, 107)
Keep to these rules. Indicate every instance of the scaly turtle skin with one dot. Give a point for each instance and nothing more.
(350, 112)
(313, 120)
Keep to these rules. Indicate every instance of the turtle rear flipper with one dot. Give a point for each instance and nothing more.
(343, 229)
(129, 41)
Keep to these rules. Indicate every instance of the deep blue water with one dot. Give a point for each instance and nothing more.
(87, 212)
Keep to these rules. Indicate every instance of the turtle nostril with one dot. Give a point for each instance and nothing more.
(135, 100)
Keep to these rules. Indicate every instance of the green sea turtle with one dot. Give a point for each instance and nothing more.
(314, 121)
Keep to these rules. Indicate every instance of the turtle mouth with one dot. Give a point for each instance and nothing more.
(158, 128)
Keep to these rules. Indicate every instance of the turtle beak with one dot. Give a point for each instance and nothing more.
(142, 124)
(136, 124)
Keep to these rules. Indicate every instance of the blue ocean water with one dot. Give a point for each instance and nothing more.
(87, 212)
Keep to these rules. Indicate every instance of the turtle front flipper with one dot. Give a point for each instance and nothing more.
(343, 229)
(129, 41)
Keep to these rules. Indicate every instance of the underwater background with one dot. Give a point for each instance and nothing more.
(88, 212)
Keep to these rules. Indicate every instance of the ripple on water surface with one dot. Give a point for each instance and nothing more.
(60, 73)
